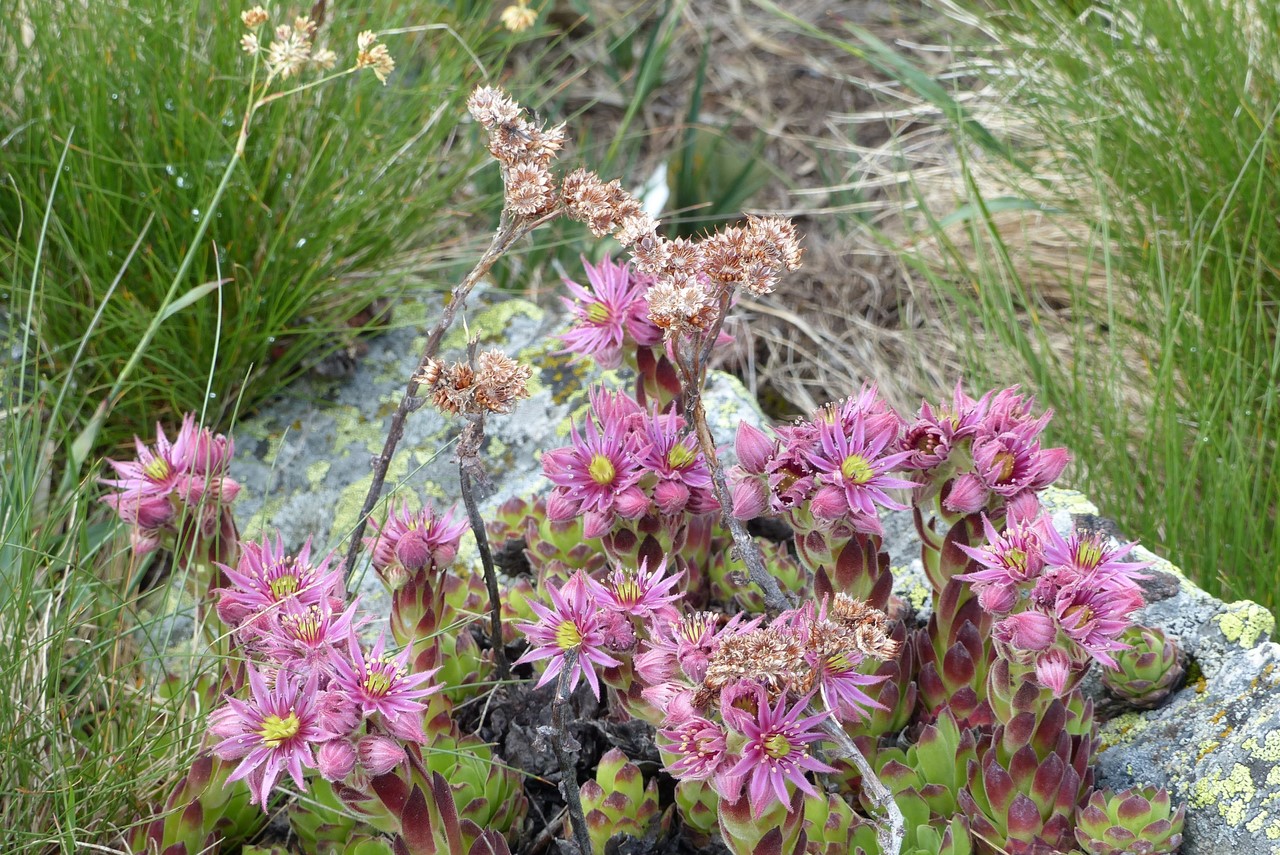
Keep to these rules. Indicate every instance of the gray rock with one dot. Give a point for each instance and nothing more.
(305, 466)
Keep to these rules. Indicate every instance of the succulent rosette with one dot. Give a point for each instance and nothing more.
(617, 801)
(1139, 821)
(1148, 669)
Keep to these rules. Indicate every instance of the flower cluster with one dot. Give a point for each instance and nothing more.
(624, 464)
(982, 452)
(316, 700)
(492, 385)
(1063, 602)
(290, 51)
(612, 318)
(524, 149)
(833, 467)
(594, 621)
(411, 542)
(176, 489)
(733, 698)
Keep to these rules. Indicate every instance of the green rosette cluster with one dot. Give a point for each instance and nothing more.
(1138, 821)
(1148, 671)
(617, 801)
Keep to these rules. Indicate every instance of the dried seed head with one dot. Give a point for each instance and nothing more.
(869, 626)
(491, 107)
(773, 659)
(723, 252)
(430, 373)
(325, 58)
(681, 304)
(529, 189)
(289, 51)
(500, 381)
(636, 228)
(518, 18)
(255, 17)
(776, 240)
(249, 44)
(374, 56)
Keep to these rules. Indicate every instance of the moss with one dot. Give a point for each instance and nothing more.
(1231, 794)
(1245, 622)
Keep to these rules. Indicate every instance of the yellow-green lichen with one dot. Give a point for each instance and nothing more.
(1245, 622)
(1268, 751)
(316, 472)
(1254, 825)
(1122, 730)
(918, 595)
(1206, 746)
(1273, 830)
(1231, 794)
(490, 323)
(1273, 779)
(1056, 499)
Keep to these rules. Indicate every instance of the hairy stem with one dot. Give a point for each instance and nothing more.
(891, 829)
(774, 598)
(568, 777)
(510, 230)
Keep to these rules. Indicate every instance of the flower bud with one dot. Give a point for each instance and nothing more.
(631, 503)
(754, 448)
(379, 754)
(1053, 670)
(335, 759)
(560, 508)
(671, 497)
(338, 713)
(1030, 630)
(750, 498)
(967, 495)
(619, 636)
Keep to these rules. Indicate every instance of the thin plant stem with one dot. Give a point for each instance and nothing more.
(568, 777)
(891, 830)
(510, 230)
(476, 430)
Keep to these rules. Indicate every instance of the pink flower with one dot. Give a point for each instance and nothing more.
(854, 471)
(382, 684)
(610, 316)
(1009, 558)
(596, 477)
(266, 576)
(309, 636)
(1054, 670)
(701, 754)
(933, 434)
(1088, 555)
(777, 749)
(187, 474)
(684, 482)
(642, 592)
(572, 624)
(1012, 462)
(416, 541)
(1094, 617)
(274, 731)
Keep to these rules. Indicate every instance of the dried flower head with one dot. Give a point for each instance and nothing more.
(249, 44)
(371, 54)
(869, 625)
(519, 17)
(681, 304)
(604, 207)
(493, 386)
(255, 17)
(529, 188)
(491, 107)
(767, 656)
(290, 50)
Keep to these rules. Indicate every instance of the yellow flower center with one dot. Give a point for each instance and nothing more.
(1089, 553)
(276, 730)
(1005, 459)
(680, 456)
(567, 635)
(628, 590)
(378, 677)
(855, 468)
(1016, 558)
(304, 627)
(777, 746)
(839, 662)
(283, 586)
(158, 469)
(601, 470)
(1084, 613)
(597, 313)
